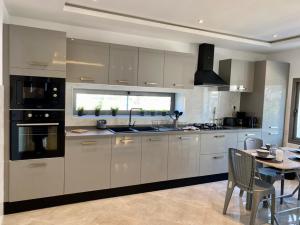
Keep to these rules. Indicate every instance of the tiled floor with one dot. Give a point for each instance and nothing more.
(193, 205)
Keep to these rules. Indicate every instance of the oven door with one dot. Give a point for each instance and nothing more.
(36, 140)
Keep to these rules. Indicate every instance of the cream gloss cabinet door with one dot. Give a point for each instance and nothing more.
(213, 164)
(126, 161)
(87, 61)
(87, 164)
(217, 142)
(154, 158)
(183, 157)
(37, 52)
(35, 178)
(123, 65)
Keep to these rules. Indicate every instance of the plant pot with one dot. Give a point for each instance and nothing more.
(113, 113)
(164, 113)
(80, 113)
(152, 113)
(142, 113)
(97, 113)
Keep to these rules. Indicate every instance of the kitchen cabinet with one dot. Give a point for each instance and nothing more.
(35, 178)
(126, 161)
(247, 134)
(151, 68)
(37, 52)
(179, 70)
(239, 74)
(87, 61)
(87, 164)
(268, 99)
(217, 142)
(183, 157)
(213, 164)
(154, 158)
(123, 65)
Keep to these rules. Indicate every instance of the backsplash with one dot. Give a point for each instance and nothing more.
(197, 105)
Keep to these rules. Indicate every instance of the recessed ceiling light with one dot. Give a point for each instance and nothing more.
(275, 35)
(200, 21)
(95, 0)
(72, 39)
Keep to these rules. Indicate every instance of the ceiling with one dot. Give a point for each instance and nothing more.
(254, 23)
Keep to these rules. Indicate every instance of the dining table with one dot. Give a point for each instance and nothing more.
(289, 164)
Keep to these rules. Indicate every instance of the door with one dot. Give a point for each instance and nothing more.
(87, 164)
(126, 161)
(123, 65)
(183, 159)
(151, 68)
(154, 158)
(87, 61)
(179, 70)
(37, 52)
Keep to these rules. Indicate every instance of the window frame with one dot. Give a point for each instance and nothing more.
(294, 112)
(127, 93)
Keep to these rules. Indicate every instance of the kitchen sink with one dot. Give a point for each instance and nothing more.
(145, 129)
(122, 130)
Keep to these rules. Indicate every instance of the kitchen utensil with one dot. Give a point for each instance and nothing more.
(101, 124)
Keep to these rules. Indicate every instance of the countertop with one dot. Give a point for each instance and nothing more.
(93, 131)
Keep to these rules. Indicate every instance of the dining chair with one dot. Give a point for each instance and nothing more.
(241, 174)
(267, 174)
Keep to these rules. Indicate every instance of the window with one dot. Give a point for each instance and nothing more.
(123, 100)
(294, 129)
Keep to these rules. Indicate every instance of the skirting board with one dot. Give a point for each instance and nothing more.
(21, 206)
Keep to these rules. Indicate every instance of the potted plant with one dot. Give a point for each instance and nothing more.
(164, 113)
(97, 110)
(142, 112)
(80, 111)
(114, 111)
(152, 112)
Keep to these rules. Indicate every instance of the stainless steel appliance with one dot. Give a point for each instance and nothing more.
(101, 124)
(27, 92)
(209, 126)
(37, 134)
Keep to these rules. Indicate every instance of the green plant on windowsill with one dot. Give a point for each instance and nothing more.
(97, 110)
(164, 112)
(114, 111)
(80, 111)
(142, 112)
(152, 112)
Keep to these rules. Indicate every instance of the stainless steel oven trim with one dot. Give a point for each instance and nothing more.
(36, 124)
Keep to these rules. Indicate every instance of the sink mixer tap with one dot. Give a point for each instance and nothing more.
(130, 115)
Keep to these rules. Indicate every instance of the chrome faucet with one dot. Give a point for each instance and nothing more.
(130, 114)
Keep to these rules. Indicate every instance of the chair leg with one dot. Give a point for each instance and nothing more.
(272, 209)
(241, 193)
(281, 190)
(255, 204)
(230, 188)
(249, 201)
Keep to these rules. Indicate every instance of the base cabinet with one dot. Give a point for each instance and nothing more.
(213, 164)
(36, 178)
(87, 164)
(183, 158)
(154, 158)
(126, 161)
(218, 142)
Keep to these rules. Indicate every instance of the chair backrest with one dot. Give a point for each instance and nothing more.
(252, 143)
(241, 168)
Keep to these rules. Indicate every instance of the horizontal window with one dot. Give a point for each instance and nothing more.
(145, 102)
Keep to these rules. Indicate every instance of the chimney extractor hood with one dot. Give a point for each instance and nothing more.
(205, 74)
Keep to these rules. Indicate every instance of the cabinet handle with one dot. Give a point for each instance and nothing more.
(270, 133)
(273, 127)
(89, 143)
(124, 141)
(219, 136)
(36, 165)
(86, 79)
(178, 85)
(151, 139)
(122, 81)
(36, 63)
(218, 157)
(249, 134)
(185, 138)
(151, 83)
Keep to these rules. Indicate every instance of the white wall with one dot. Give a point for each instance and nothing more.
(292, 57)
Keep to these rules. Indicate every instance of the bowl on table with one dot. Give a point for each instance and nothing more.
(262, 153)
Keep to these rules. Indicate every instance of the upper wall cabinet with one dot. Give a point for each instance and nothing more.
(123, 65)
(151, 68)
(179, 70)
(239, 74)
(37, 52)
(87, 61)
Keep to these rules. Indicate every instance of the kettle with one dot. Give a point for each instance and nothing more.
(101, 124)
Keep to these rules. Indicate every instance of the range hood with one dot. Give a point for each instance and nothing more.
(205, 74)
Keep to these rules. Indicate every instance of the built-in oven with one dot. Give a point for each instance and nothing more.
(27, 92)
(37, 134)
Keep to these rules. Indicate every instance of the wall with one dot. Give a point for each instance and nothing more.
(291, 56)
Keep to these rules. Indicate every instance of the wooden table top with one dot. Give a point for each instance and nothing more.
(286, 164)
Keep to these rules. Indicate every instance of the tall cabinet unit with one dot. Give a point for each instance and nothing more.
(268, 99)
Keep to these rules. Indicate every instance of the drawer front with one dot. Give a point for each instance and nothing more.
(126, 161)
(248, 134)
(37, 178)
(218, 142)
(213, 164)
(87, 164)
(154, 158)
